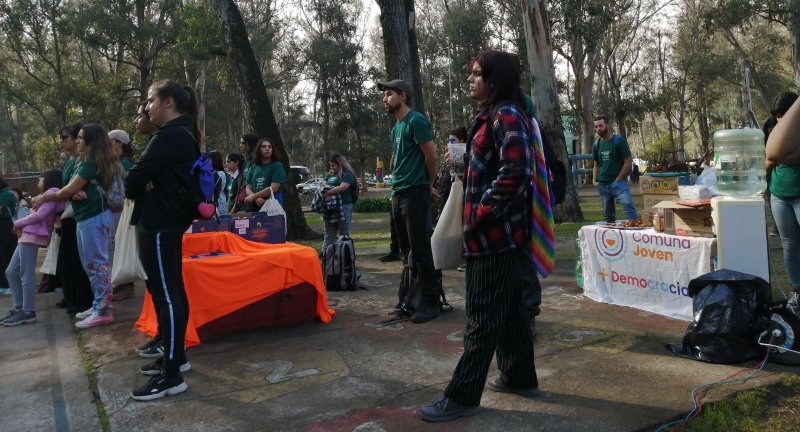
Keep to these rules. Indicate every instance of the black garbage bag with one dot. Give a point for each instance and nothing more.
(730, 309)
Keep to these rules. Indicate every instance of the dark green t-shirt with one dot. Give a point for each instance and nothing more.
(68, 169)
(333, 180)
(610, 157)
(409, 161)
(94, 204)
(785, 182)
(261, 176)
(8, 203)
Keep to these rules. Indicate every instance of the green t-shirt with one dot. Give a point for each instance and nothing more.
(261, 176)
(232, 188)
(409, 161)
(333, 181)
(8, 203)
(68, 169)
(785, 182)
(610, 157)
(94, 204)
(126, 164)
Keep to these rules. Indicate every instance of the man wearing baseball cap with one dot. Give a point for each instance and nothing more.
(414, 167)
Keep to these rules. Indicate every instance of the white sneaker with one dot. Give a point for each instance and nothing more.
(94, 320)
(85, 314)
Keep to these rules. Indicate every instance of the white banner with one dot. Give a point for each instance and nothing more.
(643, 269)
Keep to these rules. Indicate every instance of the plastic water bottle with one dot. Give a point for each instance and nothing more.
(740, 156)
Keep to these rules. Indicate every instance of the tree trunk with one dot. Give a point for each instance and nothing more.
(539, 44)
(400, 45)
(257, 107)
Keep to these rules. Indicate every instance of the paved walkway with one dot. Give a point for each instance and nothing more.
(600, 367)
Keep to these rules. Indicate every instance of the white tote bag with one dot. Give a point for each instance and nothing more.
(273, 208)
(127, 266)
(51, 259)
(446, 242)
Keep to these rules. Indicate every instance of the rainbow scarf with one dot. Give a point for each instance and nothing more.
(542, 225)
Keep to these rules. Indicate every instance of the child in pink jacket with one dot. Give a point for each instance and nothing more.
(34, 231)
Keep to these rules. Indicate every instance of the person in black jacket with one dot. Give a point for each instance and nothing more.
(159, 183)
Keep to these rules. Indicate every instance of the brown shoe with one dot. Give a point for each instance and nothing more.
(123, 291)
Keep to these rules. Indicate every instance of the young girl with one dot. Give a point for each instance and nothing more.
(35, 229)
(340, 178)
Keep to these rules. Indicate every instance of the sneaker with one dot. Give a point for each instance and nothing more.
(500, 385)
(155, 368)
(391, 256)
(20, 317)
(85, 314)
(152, 342)
(445, 410)
(10, 314)
(462, 268)
(793, 302)
(154, 351)
(94, 320)
(158, 387)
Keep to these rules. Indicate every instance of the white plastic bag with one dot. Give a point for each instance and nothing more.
(708, 178)
(127, 266)
(273, 208)
(446, 242)
(50, 260)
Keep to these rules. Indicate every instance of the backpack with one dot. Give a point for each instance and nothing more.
(339, 266)
(409, 294)
(203, 187)
(557, 171)
(355, 190)
(115, 194)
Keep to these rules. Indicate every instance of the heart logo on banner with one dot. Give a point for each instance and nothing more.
(611, 242)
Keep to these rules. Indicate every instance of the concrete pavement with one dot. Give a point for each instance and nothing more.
(601, 368)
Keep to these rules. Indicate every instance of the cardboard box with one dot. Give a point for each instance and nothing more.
(211, 225)
(686, 221)
(261, 228)
(658, 185)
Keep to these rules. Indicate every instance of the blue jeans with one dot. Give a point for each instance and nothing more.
(21, 274)
(616, 190)
(93, 249)
(786, 213)
(342, 228)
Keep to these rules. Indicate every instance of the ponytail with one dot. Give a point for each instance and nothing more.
(185, 103)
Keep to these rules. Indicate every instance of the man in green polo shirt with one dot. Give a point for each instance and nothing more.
(414, 170)
(612, 163)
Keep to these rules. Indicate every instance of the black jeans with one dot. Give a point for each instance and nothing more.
(8, 243)
(531, 287)
(77, 288)
(412, 220)
(161, 255)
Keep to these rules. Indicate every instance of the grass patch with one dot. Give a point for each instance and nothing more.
(91, 376)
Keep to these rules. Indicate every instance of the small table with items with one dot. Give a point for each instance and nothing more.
(225, 274)
(642, 268)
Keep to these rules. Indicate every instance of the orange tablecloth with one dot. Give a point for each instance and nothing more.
(219, 285)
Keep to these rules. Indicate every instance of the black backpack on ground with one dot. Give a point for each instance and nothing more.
(339, 266)
(409, 295)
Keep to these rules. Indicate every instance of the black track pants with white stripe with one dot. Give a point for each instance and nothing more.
(496, 322)
(162, 261)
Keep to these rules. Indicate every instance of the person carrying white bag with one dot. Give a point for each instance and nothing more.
(127, 265)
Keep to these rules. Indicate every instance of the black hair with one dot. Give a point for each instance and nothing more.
(460, 133)
(250, 142)
(769, 124)
(3, 183)
(52, 179)
(185, 103)
(238, 159)
(604, 118)
(72, 130)
(782, 103)
(216, 160)
(256, 156)
(501, 73)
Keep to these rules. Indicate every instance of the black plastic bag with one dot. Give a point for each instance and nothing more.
(730, 309)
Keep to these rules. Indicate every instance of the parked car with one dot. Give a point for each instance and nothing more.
(299, 173)
(310, 186)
